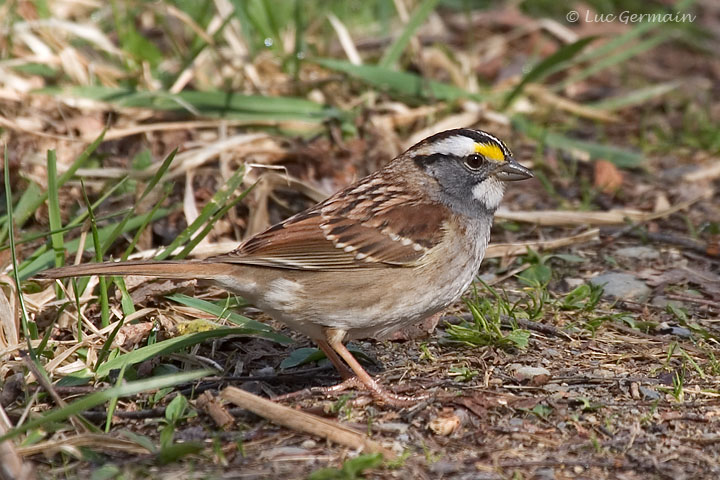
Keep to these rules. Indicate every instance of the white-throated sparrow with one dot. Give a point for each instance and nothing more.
(395, 247)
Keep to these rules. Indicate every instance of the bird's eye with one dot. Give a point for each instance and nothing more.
(474, 161)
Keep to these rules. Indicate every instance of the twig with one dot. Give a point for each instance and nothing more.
(209, 403)
(705, 173)
(509, 249)
(97, 441)
(304, 422)
(95, 416)
(710, 250)
(688, 298)
(159, 412)
(45, 383)
(213, 383)
(570, 217)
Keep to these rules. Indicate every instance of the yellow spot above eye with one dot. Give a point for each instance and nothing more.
(490, 151)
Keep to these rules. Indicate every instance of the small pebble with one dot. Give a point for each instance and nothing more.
(662, 301)
(638, 253)
(623, 286)
(516, 422)
(264, 371)
(649, 394)
(551, 352)
(554, 387)
(443, 467)
(308, 444)
(532, 374)
(393, 427)
(544, 474)
(667, 329)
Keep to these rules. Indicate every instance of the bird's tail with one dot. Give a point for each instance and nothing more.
(151, 268)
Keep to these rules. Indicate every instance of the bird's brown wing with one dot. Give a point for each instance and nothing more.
(369, 229)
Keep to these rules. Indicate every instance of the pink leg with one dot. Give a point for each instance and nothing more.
(335, 338)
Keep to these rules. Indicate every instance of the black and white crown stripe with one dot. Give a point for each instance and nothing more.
(459, 142)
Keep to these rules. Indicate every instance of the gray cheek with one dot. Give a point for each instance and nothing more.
(457, 184)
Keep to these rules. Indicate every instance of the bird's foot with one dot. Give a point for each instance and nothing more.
(354, 383)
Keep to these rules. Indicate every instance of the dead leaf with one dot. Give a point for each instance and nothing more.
(608, 178)
(9, 326)
(661, 203)
(130, 336)
(444, 424)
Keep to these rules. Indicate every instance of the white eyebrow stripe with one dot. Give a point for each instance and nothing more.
(458, 145)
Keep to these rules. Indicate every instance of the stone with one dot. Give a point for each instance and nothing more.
(545, 474)
(622, 286)
(662, 301)
(443, 467)
(638, 253)
(649, 393)
(535, 375)
(667, 329)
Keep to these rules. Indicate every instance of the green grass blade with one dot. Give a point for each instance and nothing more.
(40, 350)
(210, 223)
(105, 350)
(24, 209)
(128, 307)
(635, 97)
(215, 203)
(295, 61)
(104, 304)
(246, 26)
(626, 38)
(395, 50)
(45, 260)
(75, 223)
(212, 103)
(35, 202)
(169, 346)
(159, 174)
(400, 83)
(590, 54)
(256, 18)
(623, 55)
(13, 255)
(144, 225)
(620, 157)
(222, 312)
(148, 188)
(56, 239)
(113, 401)
(98, 398)
(544, 68)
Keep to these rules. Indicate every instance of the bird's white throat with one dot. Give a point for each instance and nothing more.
(489, 192)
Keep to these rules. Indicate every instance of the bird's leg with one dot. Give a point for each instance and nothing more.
(362, 378)
(349, 378)
(342, 369)
(353, 377)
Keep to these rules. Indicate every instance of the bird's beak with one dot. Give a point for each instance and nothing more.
(511, 171)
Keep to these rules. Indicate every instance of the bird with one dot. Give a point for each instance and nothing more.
(386, 252)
